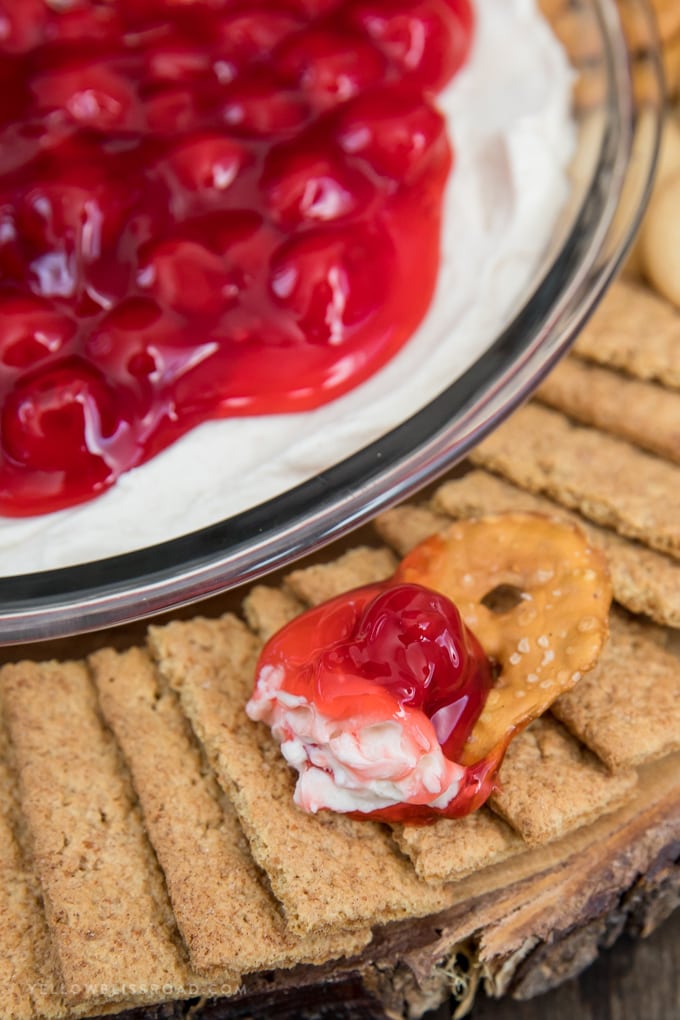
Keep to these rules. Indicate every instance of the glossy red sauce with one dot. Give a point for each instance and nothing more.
(207, 208)
(372, 651)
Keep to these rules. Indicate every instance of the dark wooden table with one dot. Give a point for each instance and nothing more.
(638, 979)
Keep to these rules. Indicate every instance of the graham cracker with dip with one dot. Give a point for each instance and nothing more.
(152, 852)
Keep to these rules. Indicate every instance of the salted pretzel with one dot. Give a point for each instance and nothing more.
(552, 631)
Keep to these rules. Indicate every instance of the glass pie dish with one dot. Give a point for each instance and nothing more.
(617, 108)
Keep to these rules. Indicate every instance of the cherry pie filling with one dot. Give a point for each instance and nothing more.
(207, 209)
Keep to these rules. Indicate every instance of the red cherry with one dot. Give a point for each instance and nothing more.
(257, 105)
(396, 132)
(413, 642)
(250, 34)
(175, 60)
(313, 9)
(23, 25)
(76, 208)
(308, 186)
(429, 40)
(332, 279)
(64, 418)
(330, 66)
(140, 12)
(30, 330)
(187, 277)
(84, 21)
(241, 238)
(206, 163)
(12, 260)
(130, 337)
(172, 111)
(145, 348)
(91, 95)
(225, 230)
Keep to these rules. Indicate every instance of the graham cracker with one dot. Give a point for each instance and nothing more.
(355, 568)
(326, 870)
(28, 976)
(627, 710)
(404, 527)
(636, 331)
(107, 909)
(550, 784)
(227, 918)
(451, 848)
(643, 413)
(644, 581)
(607, 479)
(267, 609)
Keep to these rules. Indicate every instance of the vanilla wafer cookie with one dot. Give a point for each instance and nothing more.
(550, 784)
(607, 479)
(227, 918)
(635, 331)
(326, 870)
(627, 710)
(106, 905)
(644, 581)
(644, 413)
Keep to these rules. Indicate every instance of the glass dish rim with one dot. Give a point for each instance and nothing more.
(239, 549)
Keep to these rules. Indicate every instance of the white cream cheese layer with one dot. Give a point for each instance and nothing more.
(355, 764)
(509, 119)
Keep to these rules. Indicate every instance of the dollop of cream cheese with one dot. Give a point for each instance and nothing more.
(509, 116)
(354, 765)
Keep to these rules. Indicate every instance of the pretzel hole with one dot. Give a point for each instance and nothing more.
(502, 599)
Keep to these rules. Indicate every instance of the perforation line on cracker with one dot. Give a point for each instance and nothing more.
(99, 876)
(609, 481)
(327, 871)
(226, 916)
